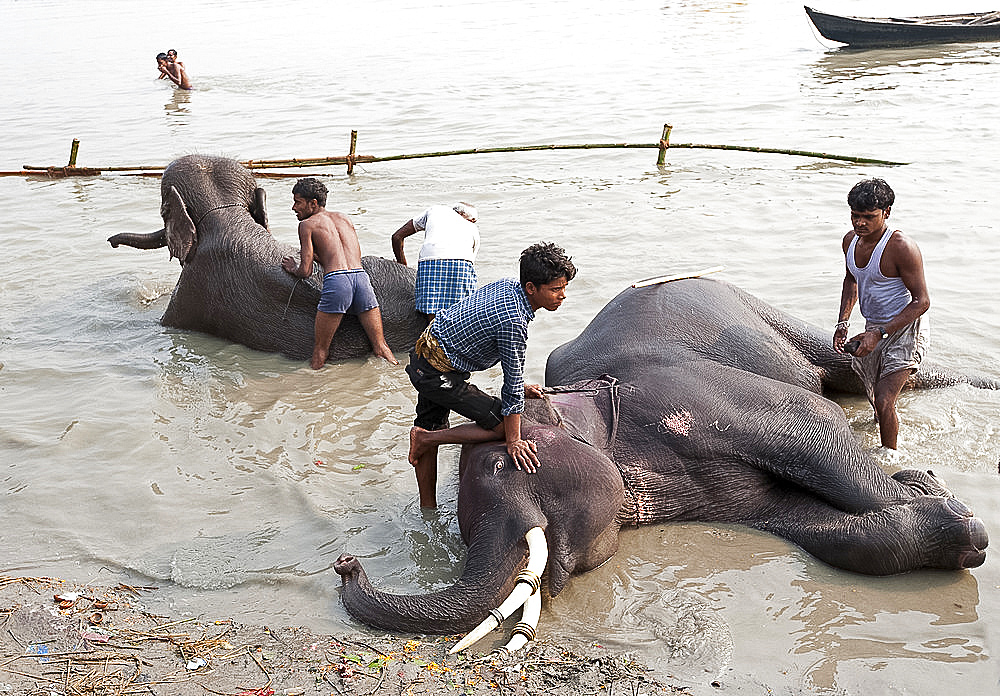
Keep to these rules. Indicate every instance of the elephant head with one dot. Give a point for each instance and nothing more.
(718, 418)
(498, 507)
(231, 283)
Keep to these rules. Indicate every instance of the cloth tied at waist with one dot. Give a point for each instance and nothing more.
(428, 348)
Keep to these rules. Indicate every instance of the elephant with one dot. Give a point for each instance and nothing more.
(231, 283)
(685, 401)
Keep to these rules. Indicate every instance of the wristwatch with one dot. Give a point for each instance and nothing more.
(880, 330)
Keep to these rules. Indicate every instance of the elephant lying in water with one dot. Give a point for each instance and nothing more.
(232, 284)
(716, 416)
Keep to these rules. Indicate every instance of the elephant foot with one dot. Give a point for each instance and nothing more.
(953, 538)
(923, 482)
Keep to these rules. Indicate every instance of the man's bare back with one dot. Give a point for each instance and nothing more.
(326, 236)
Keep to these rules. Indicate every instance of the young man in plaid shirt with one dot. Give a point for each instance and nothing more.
(488, 327)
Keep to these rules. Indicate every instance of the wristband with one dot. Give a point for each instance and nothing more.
(842, 325)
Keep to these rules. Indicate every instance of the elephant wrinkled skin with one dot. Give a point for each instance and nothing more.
(231, 283)
(714, 413)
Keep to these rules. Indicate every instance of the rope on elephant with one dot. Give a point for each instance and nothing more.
(351, 158)
(592, 388)
(289, 303)
(656, 280)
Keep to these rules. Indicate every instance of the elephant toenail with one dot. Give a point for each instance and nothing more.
(959, 507)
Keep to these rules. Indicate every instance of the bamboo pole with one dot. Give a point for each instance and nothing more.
(350, 154)
(74, 148)
(353, 158)
(664, 144)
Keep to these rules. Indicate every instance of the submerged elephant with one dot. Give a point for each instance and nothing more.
(231, 283)
(714, 414)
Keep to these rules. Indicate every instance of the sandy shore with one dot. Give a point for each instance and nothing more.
(60, 638)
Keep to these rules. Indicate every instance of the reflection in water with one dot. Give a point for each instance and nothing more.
(677, 594)
(846, 64)
(176, 108)
(848, 617)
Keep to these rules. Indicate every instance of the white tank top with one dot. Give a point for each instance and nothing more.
(447, 235)
(881, 298)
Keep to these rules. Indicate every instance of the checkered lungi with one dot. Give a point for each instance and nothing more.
(443, 282)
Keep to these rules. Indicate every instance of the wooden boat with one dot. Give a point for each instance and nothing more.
(900, 31)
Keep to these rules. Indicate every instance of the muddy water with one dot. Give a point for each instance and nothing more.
(233, 479)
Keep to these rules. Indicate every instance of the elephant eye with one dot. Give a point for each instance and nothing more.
(497, 466)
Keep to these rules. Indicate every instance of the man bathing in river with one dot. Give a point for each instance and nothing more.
(330, 238)
(488, 327)
(172, 69)
(885, 275)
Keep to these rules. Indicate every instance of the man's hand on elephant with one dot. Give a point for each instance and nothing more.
(839, 338)
(523, 454)
(533, 391)
(289, 264)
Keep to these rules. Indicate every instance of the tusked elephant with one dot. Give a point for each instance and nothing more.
(715, 413)
(231, 283)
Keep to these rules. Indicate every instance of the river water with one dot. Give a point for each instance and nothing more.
(233, 479)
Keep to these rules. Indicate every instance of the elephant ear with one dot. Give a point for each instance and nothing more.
(258, 211)
(180, 230)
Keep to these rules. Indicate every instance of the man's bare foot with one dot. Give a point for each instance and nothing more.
(385, 353)
(318, 360)
(418, 444)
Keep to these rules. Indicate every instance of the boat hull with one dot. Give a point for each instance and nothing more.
(874, 32)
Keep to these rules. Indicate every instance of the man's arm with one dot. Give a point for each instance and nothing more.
(164, 72)
(397, 240)
(910, 266)
(513, 342)
(304, 268)
(848, 298)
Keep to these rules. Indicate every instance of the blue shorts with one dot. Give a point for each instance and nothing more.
(443, 282)
(347, 292)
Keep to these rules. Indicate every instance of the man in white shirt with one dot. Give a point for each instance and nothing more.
(446, 271)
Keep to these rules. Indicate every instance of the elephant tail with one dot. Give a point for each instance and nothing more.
(489, 576)
(152, 240)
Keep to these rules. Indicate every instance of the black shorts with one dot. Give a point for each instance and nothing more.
(438, 393)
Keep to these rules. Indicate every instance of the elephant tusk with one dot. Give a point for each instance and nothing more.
(524, 630)
(528, 582)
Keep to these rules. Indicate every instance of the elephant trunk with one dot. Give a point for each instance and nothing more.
(152, 240)
(489, 576)
(933, 377)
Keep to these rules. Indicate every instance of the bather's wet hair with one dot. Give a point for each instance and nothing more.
(161, 56)
(311, 188)
(871, 194)
(545, 262)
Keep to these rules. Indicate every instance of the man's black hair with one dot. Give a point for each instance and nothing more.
(545, 262)
(161, 56)
(871, 194)
(311, 188)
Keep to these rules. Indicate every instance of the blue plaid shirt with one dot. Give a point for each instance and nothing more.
(490, 326)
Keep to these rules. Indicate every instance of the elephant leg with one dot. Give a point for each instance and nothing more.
(716, 420)
(926, 532)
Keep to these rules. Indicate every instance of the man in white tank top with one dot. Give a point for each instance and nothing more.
(885, 275)
(446, 271)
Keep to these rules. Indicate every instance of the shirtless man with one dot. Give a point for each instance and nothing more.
(885, 275)
(329, 238)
